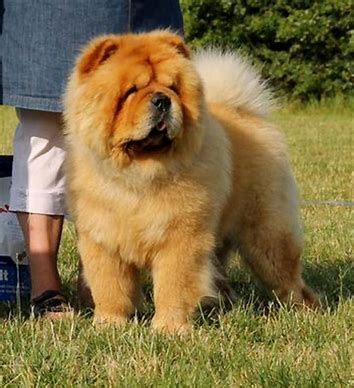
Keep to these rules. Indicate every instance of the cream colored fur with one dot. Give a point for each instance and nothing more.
(229, 79)
(179, 217)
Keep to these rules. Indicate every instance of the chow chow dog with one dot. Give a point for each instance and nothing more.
(172, 163)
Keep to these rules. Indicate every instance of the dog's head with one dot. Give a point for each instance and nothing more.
(135, 98)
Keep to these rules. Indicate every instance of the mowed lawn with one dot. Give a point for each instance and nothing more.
(254, 344)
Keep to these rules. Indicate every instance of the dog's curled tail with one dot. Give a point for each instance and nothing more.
(229, 79)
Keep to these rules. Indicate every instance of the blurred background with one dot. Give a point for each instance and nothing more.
(304, 47)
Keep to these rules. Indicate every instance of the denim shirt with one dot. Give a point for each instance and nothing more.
(41, 39)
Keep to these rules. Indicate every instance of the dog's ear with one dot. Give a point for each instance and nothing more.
(97, 52)
(177, 42)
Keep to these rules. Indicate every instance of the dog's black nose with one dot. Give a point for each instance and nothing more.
(161, 102)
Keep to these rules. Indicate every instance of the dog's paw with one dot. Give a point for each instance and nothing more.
(310, 299)
(102, 320)
(302, 297)
(169, 326)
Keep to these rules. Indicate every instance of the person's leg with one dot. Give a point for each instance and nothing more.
(42, 234)
(37, 193)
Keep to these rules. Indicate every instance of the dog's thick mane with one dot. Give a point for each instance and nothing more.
(229, 79)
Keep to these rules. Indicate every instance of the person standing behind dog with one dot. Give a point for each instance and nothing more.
(40, 40)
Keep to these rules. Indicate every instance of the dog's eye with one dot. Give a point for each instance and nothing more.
(122, 99)
(130, 91)
(174, 88)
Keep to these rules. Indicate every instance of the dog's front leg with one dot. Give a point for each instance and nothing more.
(114, 284)
(183, 274)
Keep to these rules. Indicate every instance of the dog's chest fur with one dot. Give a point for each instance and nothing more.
(136, 225)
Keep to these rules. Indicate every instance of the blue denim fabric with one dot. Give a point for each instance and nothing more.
(41, 38)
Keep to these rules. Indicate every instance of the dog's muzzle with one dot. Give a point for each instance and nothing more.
(157, 141)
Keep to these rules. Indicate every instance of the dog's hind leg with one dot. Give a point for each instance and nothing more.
(274, 258)
(114, 284)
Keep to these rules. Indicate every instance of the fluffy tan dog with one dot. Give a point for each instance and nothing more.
(170, 164)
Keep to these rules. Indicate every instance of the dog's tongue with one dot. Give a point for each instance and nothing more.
(157, 135)
(156, 141)
(161, 125)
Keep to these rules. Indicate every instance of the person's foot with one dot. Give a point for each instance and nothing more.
(51, 304)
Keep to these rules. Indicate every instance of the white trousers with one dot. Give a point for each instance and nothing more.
(38, 182)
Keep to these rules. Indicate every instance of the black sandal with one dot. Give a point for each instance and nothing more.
(50, 304)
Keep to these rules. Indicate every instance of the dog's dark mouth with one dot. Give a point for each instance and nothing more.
(157, 141)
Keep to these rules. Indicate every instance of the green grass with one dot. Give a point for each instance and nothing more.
(254, 344)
